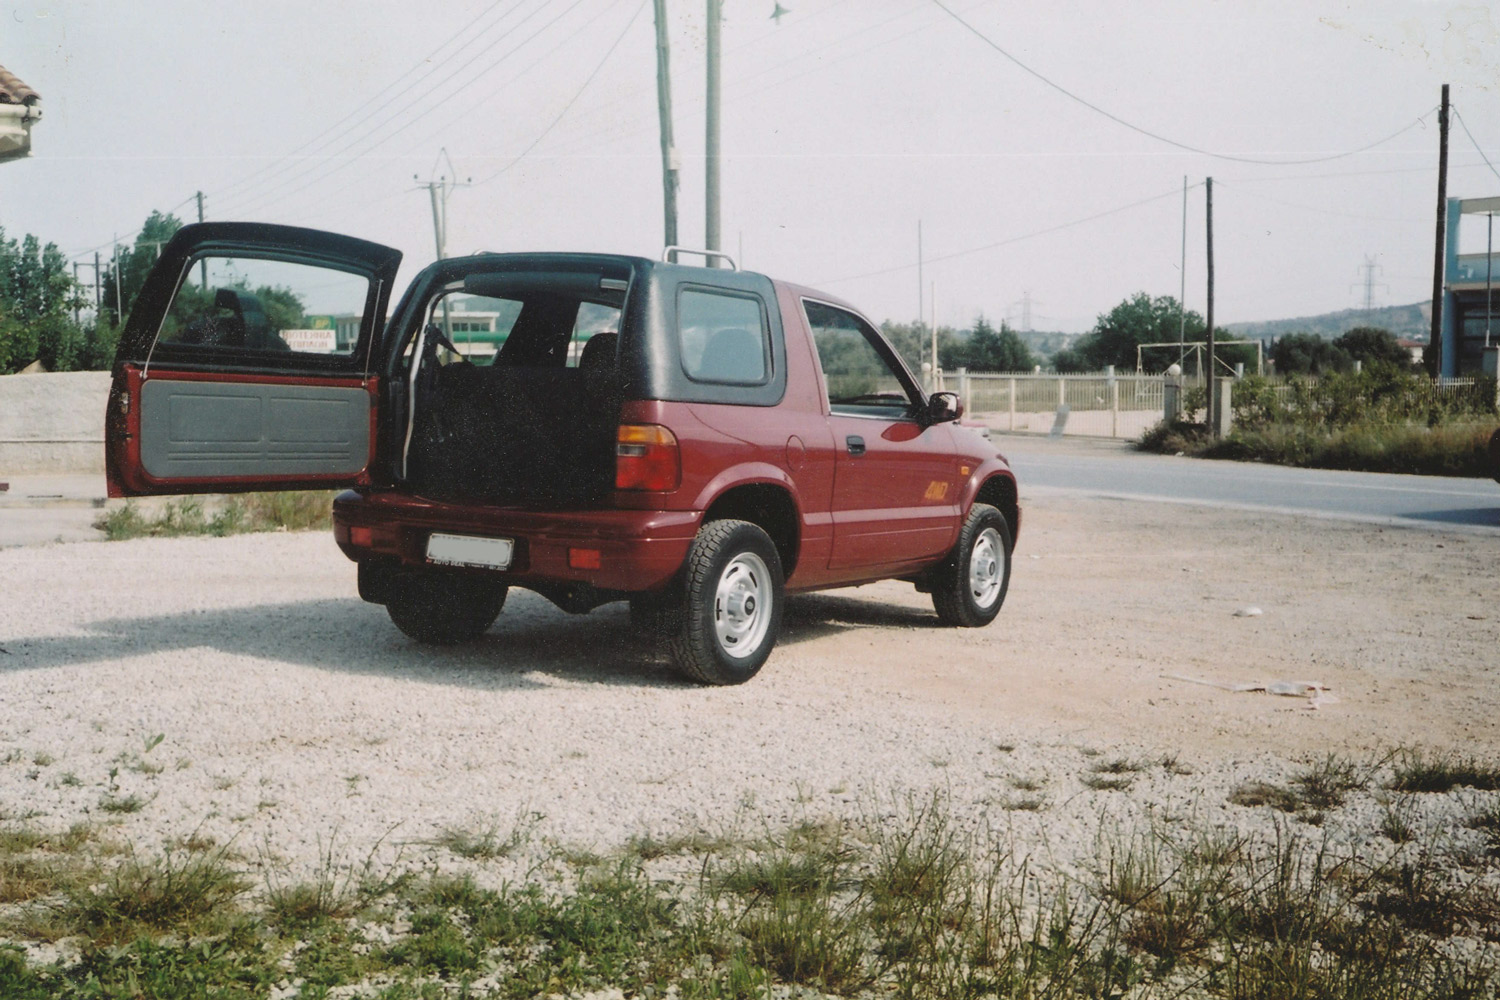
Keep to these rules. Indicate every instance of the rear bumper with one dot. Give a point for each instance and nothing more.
(636, 550)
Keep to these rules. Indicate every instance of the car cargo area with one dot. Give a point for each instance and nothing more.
(515, 399)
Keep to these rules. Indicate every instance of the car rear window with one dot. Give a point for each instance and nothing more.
(266, 306)
(724, 337)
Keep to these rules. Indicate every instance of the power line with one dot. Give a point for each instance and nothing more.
(572, 100)
(329, 134)
(1174, 193)
(1465, 126)
(1327, 211)
(1155, 135)
(333, 168)
(736, 89)
(131, 238)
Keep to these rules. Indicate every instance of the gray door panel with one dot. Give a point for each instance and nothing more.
(206, 430)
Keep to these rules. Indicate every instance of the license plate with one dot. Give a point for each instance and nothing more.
(469, 550)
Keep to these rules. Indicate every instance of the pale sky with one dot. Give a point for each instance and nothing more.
(844, 125)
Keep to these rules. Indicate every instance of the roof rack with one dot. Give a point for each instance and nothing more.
(670, 256)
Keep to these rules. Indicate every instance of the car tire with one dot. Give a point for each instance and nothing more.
(969, 586)
(1495, 455)
(440, 609)
(731, 604)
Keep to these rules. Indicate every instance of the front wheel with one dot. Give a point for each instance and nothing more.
(732, 601)
(441, 609)
(969, 586)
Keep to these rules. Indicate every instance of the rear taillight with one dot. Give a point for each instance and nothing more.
(647, 458)
(378, 539)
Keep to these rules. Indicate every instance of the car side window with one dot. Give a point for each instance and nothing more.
(254, 304)
(860, 380)
(724, 337)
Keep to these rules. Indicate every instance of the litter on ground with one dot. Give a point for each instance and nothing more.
(1316, 693)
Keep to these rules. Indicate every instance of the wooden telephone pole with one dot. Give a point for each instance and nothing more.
(1209, 208)
(711, 137)
(664, 107)
(1435, 349)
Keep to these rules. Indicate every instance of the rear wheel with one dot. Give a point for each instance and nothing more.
(969, 586)
(441, 609)
(732, 601)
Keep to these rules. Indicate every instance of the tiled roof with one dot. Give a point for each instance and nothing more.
(14, 91)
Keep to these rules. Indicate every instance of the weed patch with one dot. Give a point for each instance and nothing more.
(910, 905)
(233, 515)
(1417, 773)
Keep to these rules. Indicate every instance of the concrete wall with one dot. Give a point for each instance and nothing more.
(52, 424)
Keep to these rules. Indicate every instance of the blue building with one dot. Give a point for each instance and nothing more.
(1469, 280)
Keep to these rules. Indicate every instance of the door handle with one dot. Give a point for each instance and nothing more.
(856, 444)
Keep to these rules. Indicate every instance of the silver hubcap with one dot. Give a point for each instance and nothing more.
(986, 567)
(742, 605)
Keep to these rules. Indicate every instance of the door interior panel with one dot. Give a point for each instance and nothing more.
(212, 430)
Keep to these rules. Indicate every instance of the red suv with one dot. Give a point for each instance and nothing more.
(697, 441)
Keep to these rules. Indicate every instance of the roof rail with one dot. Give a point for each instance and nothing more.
(670, 256)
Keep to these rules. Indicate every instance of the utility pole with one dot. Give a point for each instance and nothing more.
(438, 191)
(936, 385)
(1182, 274)
(98, 291)
(202, 264)
(1435, 346)
(1209, 188)
(921, 304)
(119, 304)
(711, 136)
(76, 265)
(1489, 277)
(669, 164)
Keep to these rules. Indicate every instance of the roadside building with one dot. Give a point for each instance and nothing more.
(1469, 284)
(20, 108)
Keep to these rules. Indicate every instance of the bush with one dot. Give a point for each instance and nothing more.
(1382, 419)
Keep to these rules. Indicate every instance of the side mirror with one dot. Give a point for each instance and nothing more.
(944, 406)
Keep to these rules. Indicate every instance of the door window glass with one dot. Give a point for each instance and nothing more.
(859, 378)
(271, 306)
(723, 337)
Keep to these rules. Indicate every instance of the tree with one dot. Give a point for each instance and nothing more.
(1138, 320)
(1372, 345)
(134, 264)
(913, 341)
(1069, 360)
(36, 295)
(989, 350)
(1308, 354)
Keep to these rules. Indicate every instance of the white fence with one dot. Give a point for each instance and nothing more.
(1098, 405)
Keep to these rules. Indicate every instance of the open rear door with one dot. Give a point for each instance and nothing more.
(245, 363)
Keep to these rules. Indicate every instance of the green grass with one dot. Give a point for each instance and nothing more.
(911, 903)
(236, 514)
(1418, 773)
(488, 840)
(122, 804)
(1313, 791)
(1445, 450)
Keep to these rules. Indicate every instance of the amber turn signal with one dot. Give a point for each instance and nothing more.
(647, 458)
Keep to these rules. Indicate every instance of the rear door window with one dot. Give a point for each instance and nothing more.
(256, 306)
(724, 337)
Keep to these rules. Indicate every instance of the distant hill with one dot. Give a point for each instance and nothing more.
(1413, 322)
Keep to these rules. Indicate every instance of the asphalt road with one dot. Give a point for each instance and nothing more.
(1112, 469)
(38, 509)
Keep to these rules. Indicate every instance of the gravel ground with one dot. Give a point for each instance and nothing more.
(293, 717)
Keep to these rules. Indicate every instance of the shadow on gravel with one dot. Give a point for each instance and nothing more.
(531, 637)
